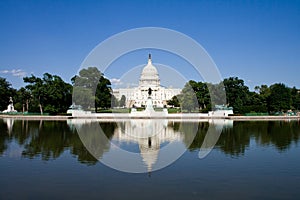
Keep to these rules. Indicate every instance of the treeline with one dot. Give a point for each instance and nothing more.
(50, 94)
(90, 89)
(195, 96)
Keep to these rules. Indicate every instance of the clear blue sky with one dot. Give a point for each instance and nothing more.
(258, 41)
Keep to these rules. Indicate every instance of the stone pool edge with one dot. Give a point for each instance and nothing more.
(170, 116)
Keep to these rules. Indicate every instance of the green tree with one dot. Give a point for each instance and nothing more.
(188, 99)
(37, 91)
(236, 93)
(279, 98)
(114, 101)
(83, 96)
(264, 93)
(58, 94)
(91, 89)
(88, 78)
(122, 102)
(84, 87)
(174, 102)
(23, 100)
(217, 94)
(295, 95)
(202, 94)
(49, 94)
(103, 94)
(6, 91)
(255, 103)
(263, 90)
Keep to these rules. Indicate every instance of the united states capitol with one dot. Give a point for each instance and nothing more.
(137, 96)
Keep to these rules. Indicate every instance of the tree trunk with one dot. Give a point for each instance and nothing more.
(41, 109)
(40, 105)
(27, 105)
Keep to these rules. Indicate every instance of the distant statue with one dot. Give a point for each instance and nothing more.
(149, 91)
(10, 107)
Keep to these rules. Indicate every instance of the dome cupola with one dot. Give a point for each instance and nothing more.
(149, 75)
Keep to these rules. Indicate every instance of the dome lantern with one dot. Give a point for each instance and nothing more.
(149, 75)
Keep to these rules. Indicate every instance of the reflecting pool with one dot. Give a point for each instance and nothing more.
(53, 160)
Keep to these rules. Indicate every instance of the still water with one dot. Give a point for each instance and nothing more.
(250, 160)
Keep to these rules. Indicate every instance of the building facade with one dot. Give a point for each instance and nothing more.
(149, 79)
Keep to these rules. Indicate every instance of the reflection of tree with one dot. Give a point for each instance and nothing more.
(20, 130)
(3, 137)
(48, 139)
(235, 140)
(282, 134)
(94, 140)
(189, 130)
(49, 142)
(54, 138)
(175, 126)
(199, 138)
(278, 133)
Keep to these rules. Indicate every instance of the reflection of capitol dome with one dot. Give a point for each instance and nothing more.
(149, 135)
(149, 75)
(149, 151)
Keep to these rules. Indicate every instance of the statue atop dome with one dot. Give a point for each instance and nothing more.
(149, 59)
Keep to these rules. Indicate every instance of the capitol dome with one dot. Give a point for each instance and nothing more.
(149, 75)
(138, 96)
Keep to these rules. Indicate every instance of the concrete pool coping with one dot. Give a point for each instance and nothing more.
(111, 116)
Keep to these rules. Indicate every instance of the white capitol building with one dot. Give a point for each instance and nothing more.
(149, 79)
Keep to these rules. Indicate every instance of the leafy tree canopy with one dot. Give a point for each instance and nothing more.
(49, 94)
(91, 89)
(279, 98)
(6, 91)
